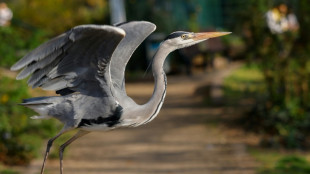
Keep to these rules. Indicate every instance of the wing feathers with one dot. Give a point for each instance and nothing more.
(71, 58)
(55, 84)
(39, 73)
(41, 52)
(38, 65)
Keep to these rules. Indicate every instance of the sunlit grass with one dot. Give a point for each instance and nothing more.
(267, 158)
(246, 80)
(274, 161)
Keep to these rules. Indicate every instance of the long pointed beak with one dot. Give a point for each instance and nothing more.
(207, 35)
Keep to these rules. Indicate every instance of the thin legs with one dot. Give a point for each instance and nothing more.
(79, 134)
(49, 145)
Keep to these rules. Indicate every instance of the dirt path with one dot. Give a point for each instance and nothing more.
(185, 138)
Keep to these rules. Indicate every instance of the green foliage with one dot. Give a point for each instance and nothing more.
(289, 165)
(245, 81)
(283, 115)
(282, 126)
(15, 42)
(20, 139)
(47, 18)
(182, 16)
(56, 16)
(8, 172)
(10, 42)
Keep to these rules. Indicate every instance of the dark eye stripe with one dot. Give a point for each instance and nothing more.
(175, 34)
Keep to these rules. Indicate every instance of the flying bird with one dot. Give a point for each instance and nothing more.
(86, 66)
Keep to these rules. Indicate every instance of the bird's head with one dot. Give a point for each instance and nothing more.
(182, 39)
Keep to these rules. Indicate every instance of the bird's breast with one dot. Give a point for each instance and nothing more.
(102, 122)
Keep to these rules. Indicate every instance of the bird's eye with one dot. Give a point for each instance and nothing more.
(184, 36)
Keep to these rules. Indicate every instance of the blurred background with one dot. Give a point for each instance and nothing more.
(252, 86)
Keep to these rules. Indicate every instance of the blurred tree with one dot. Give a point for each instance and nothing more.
(56, 16)
(284, 115)
(34, 21)
(19, 136)
(171, 15)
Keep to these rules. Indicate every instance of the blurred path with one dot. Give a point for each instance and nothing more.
(186, 138)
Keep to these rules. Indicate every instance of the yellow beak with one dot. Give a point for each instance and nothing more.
(207, 35)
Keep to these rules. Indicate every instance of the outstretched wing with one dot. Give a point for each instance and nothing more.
(136, 32)
(73, 61)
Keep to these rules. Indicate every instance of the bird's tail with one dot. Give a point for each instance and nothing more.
(41, 105)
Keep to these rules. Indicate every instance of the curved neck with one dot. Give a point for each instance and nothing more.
(153, 106)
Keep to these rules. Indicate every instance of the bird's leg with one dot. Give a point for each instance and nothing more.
(79, 134)
(49, 145)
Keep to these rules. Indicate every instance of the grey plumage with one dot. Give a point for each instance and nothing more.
(86, 66)
(136, 32)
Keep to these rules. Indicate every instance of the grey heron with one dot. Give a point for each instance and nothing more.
(86, 66)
